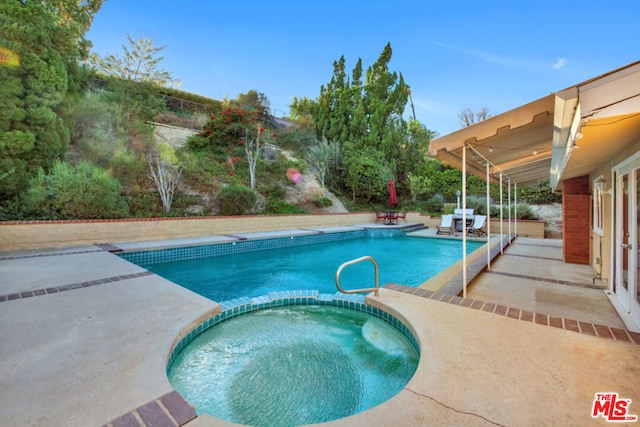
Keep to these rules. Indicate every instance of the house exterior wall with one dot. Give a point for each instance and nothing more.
(602, 250)
(576, 219)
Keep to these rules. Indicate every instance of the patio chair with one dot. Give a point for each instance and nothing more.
(402, 216)
(381, 216)
(445, 225)
(477, 228)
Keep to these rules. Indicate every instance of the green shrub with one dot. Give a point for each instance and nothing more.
(523, 211)
(279, 206)
(236, 199)
(75, 192)
(434, 204)
(297, 139)
(538, 193)
(143, 203)
(275, 190)
(478, 204)
(322, 202)
(227, 129)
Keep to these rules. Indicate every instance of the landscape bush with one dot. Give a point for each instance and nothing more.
(278, 206)
(478, 204)
(83, 191)
(522, 211)
(434, 204)
(236, 199)
(538, 193)
(322, 202)
(275, 190)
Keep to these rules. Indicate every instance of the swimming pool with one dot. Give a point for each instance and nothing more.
(226, 271)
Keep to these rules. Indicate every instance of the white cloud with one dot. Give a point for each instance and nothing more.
(559, 63)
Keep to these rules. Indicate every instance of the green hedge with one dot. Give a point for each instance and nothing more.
(236, 199)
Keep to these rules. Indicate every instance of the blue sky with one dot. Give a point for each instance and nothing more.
(453, 55)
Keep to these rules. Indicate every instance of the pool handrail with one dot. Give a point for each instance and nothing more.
(357, 291)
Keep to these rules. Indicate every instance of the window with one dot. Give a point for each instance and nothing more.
(598, 205)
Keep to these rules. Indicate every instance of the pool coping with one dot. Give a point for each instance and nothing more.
(238, 237)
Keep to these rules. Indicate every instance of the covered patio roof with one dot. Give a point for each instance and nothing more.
(560, 136)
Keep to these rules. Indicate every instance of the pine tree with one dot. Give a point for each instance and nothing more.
(43, 42)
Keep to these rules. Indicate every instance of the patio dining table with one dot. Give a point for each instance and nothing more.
(391, 218)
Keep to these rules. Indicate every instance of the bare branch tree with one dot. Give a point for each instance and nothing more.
(468, 117)
(166, 173)
(252, 148)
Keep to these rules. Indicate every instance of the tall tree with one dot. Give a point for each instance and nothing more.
(44, 41)
(136, 74)
(139, 62)
(301, 110)
(254, 100)
(365, 117)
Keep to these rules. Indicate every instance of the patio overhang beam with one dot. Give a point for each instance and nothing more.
(515, 141)
(494, 170)
(476, 168)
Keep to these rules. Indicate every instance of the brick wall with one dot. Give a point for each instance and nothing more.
(576, 220)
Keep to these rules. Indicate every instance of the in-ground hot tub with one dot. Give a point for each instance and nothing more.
(273, 364)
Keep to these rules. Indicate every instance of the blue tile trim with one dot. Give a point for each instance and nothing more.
(146, 258)
(239, 306)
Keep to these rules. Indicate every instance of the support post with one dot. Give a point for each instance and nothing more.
(509, 207)
(488, 221)
(515, 196)
(464, 221)
(501, 216)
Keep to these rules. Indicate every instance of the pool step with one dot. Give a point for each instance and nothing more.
(414, 227)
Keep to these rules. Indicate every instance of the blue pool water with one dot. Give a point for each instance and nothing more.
(294, 365)
(405, 260)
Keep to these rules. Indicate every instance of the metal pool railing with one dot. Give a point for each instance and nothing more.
(363, 290)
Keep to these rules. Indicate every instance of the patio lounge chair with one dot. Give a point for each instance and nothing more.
(477, 228)
(445, 225)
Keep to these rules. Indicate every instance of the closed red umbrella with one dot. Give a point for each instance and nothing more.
(393, 200)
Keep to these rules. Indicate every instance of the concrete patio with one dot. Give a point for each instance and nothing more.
(86, 337)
